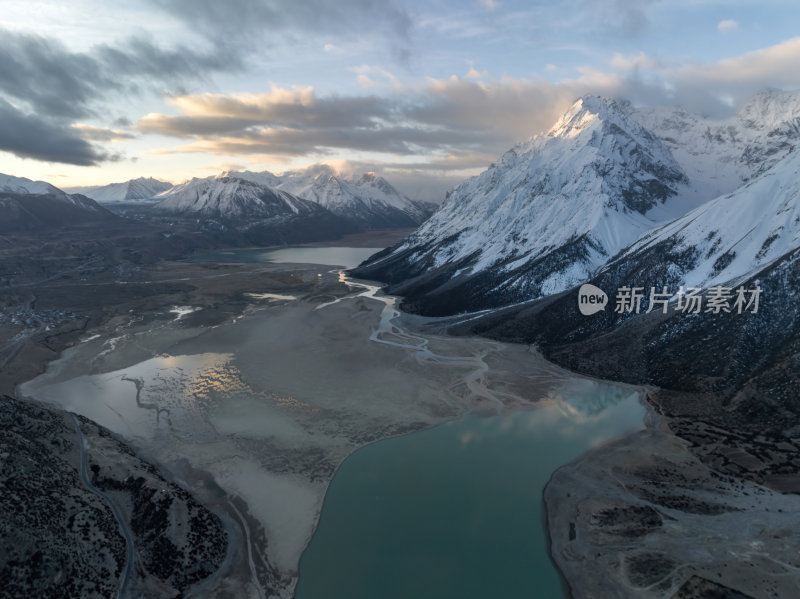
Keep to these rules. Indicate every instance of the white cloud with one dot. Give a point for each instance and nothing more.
(771, 66)
(474, 73)
(366, 74)
(632, 63)
(728, 25)
(92, 133)
(456, 123)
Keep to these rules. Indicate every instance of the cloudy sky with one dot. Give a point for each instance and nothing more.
(425, 92)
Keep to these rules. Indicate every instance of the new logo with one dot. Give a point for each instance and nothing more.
(591, 299)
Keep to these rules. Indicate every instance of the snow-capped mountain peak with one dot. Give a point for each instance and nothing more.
(142, 189)
(367, 200)
(263, 177)
(37, 205)
(769, 109)
(549, 212)
(719, 155)
(734, 236)
(585, 112)
(21, 185)
(230, 198)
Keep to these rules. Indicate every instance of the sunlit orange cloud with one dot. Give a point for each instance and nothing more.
(243, 105)
(101, 133)
(773, 65)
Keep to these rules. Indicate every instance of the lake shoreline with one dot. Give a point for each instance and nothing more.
(642, 517)
(220, 289)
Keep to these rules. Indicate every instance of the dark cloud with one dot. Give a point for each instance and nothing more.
(41, 78)
(215, 114)
(49, 78)
(56, 82)
(397, 140)
(452, 118)
(236, 24)
(626, 18)
(601, 19)
(297, 123)
(31, 136)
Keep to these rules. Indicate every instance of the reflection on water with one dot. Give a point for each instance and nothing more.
(456, 511)
(270, 407)
(178, 395)
(333, 256)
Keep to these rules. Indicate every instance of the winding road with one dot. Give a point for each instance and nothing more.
(123, 525)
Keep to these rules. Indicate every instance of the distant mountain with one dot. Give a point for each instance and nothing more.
(731, 238)
(748, 235)
(719, 156)
(544, 217)
(245, 207)
(136, 190)
(21, 185)
(231, 198)
(262, 177)
(33, 206)
(750, 238)
(366, 200)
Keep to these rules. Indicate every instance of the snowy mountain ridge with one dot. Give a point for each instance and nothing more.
(22, 186)
(735, 236)
(142, 189)
(719, 155)
(365, 199)
(609, 179)
(551, 210)
(27, 205)
(231, 198)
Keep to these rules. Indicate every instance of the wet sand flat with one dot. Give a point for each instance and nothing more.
(268, 399)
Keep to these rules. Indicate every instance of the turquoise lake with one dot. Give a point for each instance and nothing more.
(453, 511)
(332, 256)
(456, 511)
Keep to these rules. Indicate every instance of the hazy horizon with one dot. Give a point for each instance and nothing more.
(425, 94)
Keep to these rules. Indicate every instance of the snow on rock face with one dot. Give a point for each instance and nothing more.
(367, 200)
(21, 185)
(27, 205)
(719, 155)
(135, 190)
(231, 198)
(552, 210)
(732, 237)
(264, 177)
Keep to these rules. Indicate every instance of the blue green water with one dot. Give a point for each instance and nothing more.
(456, 511)
(333, 256)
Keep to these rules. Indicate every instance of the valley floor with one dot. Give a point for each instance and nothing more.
(641, 517)
(644, 517)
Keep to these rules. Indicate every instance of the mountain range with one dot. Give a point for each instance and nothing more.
(34, 206)
(609, 179)
(233, 207)
(236, 208)
(365, 201)
(707, 212)
(143, 189)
